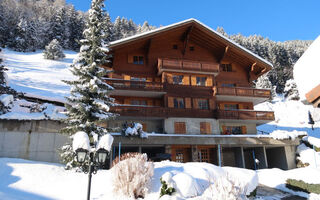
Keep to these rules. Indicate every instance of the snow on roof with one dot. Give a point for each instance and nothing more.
(307, 69)
(164, 28)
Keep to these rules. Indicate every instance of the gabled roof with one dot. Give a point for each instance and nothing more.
(214, 33)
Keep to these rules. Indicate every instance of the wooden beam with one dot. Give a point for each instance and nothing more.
(224, 54)
(253, 66)
(186, 39)
(147, 50)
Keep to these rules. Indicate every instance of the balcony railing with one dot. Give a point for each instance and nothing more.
(186, 65)
(245, 115)
(134, 85)
(162, 112)
(241, 91)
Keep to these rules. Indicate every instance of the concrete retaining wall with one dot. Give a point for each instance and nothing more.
(33, 140)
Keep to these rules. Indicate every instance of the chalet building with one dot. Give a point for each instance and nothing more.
(192, 89)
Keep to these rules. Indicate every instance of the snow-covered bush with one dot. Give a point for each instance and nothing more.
(133, 129)
(53, 51)
(132, 175)
(225, 187)
(291, 91)
(166, 184)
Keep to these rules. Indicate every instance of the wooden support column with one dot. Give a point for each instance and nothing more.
(219, 152)
(147, 50)
(224, 54)
(242, 157)
(265, 156)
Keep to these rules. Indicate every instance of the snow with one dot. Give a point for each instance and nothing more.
(312, 140)
(308, 156)
(105, 142)
(289, 116)
(135, 130)
(6, 99)
(32, 74)
(276, 178)
(26, 180)
(306, 70)
(81, 140)
(21, 110)
(283, 134)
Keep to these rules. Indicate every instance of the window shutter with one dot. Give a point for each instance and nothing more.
(208, 128)
(188, 102)
(144, 127)
(149, 79)
(169, 78)
(205, 128)
(150, 102)
(240, 106)
(179, 127)
(127, 101)
(186, 80)
(195, 103)
(170, 102)
(126, 77)
(221, 106)
(193, 80)
(209, 81)
(244, 129)
(211, 104)
(224, 129)
(130, 58)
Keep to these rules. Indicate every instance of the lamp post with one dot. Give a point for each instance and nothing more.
(95, 160)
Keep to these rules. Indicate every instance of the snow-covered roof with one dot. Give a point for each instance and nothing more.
(307, 69)
(169, 27)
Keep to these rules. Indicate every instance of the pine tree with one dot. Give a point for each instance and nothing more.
(53, 51)
(90, 101)
(291, 91)
(4, 88)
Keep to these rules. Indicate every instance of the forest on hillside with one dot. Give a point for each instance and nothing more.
(27, 25)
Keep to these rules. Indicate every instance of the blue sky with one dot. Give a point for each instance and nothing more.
(278, 20)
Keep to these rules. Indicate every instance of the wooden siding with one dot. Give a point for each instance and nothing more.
(245, 115)
(241, 91)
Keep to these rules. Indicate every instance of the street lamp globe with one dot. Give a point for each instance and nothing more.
(81, 155)
(101, 156)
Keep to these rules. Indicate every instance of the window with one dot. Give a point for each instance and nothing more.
(191, 48)
(203, 104)
(205, 128)
(177, 79)
(228, 85)
(138, 102)
(226, 67)
(178, 103)
(175, 46)
(235, 130)
(138, 60)
(203, 155)
(201, 81)
(180, 128)
(179, 155)
(231, 106)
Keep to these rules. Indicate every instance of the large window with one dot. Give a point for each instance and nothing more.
(203, 104)
(178, 103)
(226, 67)
(201, 81)
(177, 79)
(204, 155)
(138, 60)
(235, 130)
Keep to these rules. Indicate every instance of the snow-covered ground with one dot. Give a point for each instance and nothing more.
(290, 116)
(26, 180)
(32, 74)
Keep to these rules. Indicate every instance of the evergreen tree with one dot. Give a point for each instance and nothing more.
(4, 88)
(90, 101)
(53, 51)
(291, 91)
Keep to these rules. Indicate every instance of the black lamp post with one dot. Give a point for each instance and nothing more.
(96, 159)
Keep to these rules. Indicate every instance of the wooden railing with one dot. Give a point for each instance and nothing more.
(134, 85)
(163, 112)
(242, 91)
(245, 115)
(176, 64)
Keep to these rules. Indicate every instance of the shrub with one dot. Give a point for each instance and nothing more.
(298, 185)
(132, 175)
(53, 51)
(165, 189)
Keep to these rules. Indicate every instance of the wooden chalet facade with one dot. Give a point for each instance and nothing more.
(193, 88)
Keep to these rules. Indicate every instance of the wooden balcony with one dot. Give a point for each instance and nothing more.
(176, 65)
(161, 112)
(242, 91)
(245, 115)
(134, 85)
